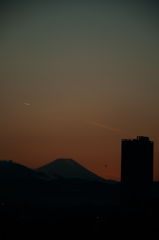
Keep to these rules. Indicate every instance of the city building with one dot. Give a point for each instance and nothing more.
(136, 171)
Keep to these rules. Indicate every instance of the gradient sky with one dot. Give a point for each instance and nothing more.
(76, 77)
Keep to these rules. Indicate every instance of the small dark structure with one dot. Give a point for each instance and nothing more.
(136, 171)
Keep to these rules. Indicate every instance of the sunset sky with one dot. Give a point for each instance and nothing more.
(76, 77)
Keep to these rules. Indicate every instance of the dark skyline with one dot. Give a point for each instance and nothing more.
(136, 171)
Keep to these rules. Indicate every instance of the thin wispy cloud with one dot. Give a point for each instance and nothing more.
(27, 104)
(110, 128)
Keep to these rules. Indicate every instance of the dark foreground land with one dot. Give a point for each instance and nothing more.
(73, 208)
(47, 221)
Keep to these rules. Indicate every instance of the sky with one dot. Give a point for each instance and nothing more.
(76, 77)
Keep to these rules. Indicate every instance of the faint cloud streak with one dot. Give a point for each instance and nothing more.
(27, 104)
(110, 128)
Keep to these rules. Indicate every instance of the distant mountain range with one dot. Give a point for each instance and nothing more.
(68, 168)
(62, 181)
(58, 169)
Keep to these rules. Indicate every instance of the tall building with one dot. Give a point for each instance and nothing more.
(136, 171)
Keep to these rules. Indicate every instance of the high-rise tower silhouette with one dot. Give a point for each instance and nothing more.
(136, 171)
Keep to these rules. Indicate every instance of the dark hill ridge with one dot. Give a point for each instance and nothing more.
(12, 170)
(68, 168)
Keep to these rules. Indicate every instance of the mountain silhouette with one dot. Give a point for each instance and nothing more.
(12, 170)
(68, 168)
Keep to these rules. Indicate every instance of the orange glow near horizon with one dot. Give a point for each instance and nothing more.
(90, 153)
